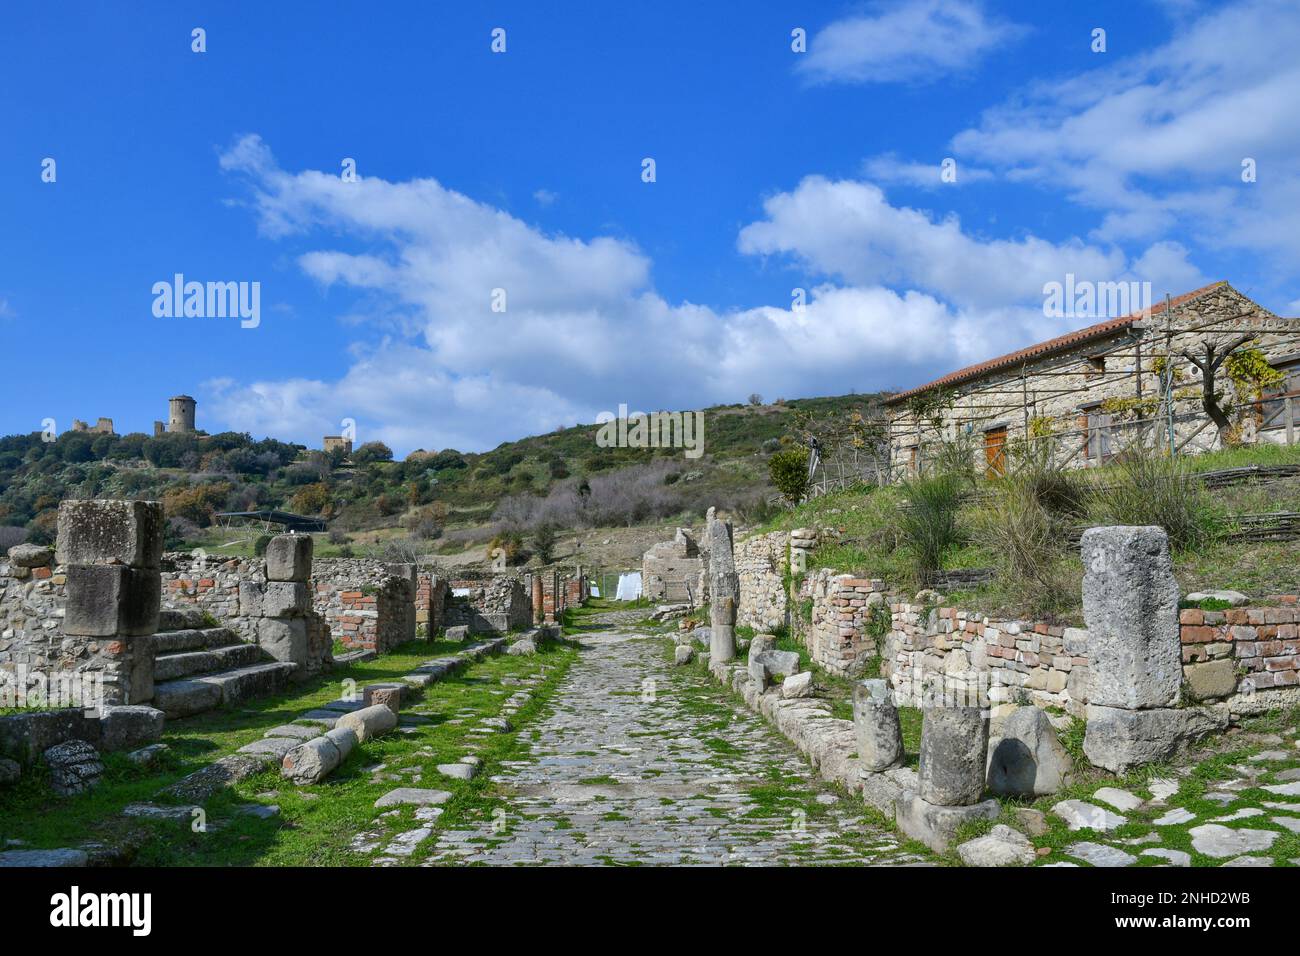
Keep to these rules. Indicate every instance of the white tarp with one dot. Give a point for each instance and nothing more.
(460, 592)
(629, 586)
(595, 591)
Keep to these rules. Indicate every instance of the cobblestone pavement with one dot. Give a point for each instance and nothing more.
(639, 762)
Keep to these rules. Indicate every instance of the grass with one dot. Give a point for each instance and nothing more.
(308, 831)
(871, 541)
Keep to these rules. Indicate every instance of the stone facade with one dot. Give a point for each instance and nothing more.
(496, 605)
(839, 636)
(1016, 661)
(1241, 650)
(761, 562)
(1067, 380)
(671, 571)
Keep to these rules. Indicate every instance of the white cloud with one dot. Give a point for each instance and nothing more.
(583, 332)
(1155, 142)
(888, 168)
(544, 197)
(905, 41)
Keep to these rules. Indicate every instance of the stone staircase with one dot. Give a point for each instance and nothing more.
(198, 667)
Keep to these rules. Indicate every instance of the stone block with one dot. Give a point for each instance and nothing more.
(1026, 758)
(285, 599)
(458, 633)
(390, 695)
(1119, 740)
(954, 750)
(285, 639)
(683, 654)
(1002, 846)
(1130, 603)
(1211, 680)
(129, 726)
(250, 598)
(31, 556)
(934, 825)
(798, 685)
(103, 531)
(288, 558)
(876, 725)
(75, 767)
(111, 600)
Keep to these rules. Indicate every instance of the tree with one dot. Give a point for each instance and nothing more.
(372, 451)
(755, 399)
(1216, 352)
(544, 540)
(789, 471)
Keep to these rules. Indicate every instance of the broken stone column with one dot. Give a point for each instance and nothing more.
(539, 600)
(876, 726)
(286, 601)
(1130, 606)
(950, 782)
(954, 754)
(724, 591)
(112, 551)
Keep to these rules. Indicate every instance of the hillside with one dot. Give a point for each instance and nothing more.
(446, 502)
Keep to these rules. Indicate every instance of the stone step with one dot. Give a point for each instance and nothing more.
(182, 619)
(194, 695)
(193, 639)
(210, 661)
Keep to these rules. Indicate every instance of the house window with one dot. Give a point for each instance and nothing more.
(1098, 441)
(1273, 408)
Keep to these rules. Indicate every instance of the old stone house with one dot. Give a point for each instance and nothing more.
(1090, 393)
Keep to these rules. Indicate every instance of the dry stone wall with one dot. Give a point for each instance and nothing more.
(845, 613)
(671, 571)
(1017, 661)
(760, 563)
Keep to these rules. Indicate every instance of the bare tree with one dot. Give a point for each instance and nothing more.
(1216, 352)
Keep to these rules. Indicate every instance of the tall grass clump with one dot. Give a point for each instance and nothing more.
(1147, 488)
(928, 526)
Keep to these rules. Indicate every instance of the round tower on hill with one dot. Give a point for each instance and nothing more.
(180, 413)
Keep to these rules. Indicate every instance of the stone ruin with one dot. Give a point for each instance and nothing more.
(671, 571)
(724, 590)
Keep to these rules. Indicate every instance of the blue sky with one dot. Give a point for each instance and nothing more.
(522, 171)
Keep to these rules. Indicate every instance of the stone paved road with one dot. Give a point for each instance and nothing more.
(622, 771)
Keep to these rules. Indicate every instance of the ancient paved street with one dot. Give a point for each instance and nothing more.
(639, 762)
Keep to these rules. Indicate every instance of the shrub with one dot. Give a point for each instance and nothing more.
(10, 536)
(1154, 489)
(259, 546)
(337, 536)
(312, 499)
(789, 471)
(1029, 540)
(372, 451)
(928, 525)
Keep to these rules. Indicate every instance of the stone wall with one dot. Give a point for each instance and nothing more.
(365, 603)
(1241, 650)
(431, 595)
(498, 605)
(761, 561)
(671, 571)
(839, 636)
(192, 579)
(1017, 661)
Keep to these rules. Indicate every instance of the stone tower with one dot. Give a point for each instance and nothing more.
(180, 413)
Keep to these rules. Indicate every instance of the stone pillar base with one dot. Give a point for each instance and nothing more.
(1118, 739)
(936, 826)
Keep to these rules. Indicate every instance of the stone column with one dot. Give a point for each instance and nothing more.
(876, 726)
(950, 779)
(724, 591)
(112, 551)
(285, 602)
(1130, 606)
(539, 607)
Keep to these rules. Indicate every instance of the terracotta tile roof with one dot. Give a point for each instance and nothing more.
(1042, 349)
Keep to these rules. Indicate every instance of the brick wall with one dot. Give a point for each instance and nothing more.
(1241, 650)
(839, 637)
(1045, 664)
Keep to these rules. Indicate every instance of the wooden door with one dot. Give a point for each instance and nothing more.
(995, 452)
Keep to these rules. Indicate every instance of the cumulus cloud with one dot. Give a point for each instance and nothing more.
(1156, 141)
(584, 330)
(905, 41)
